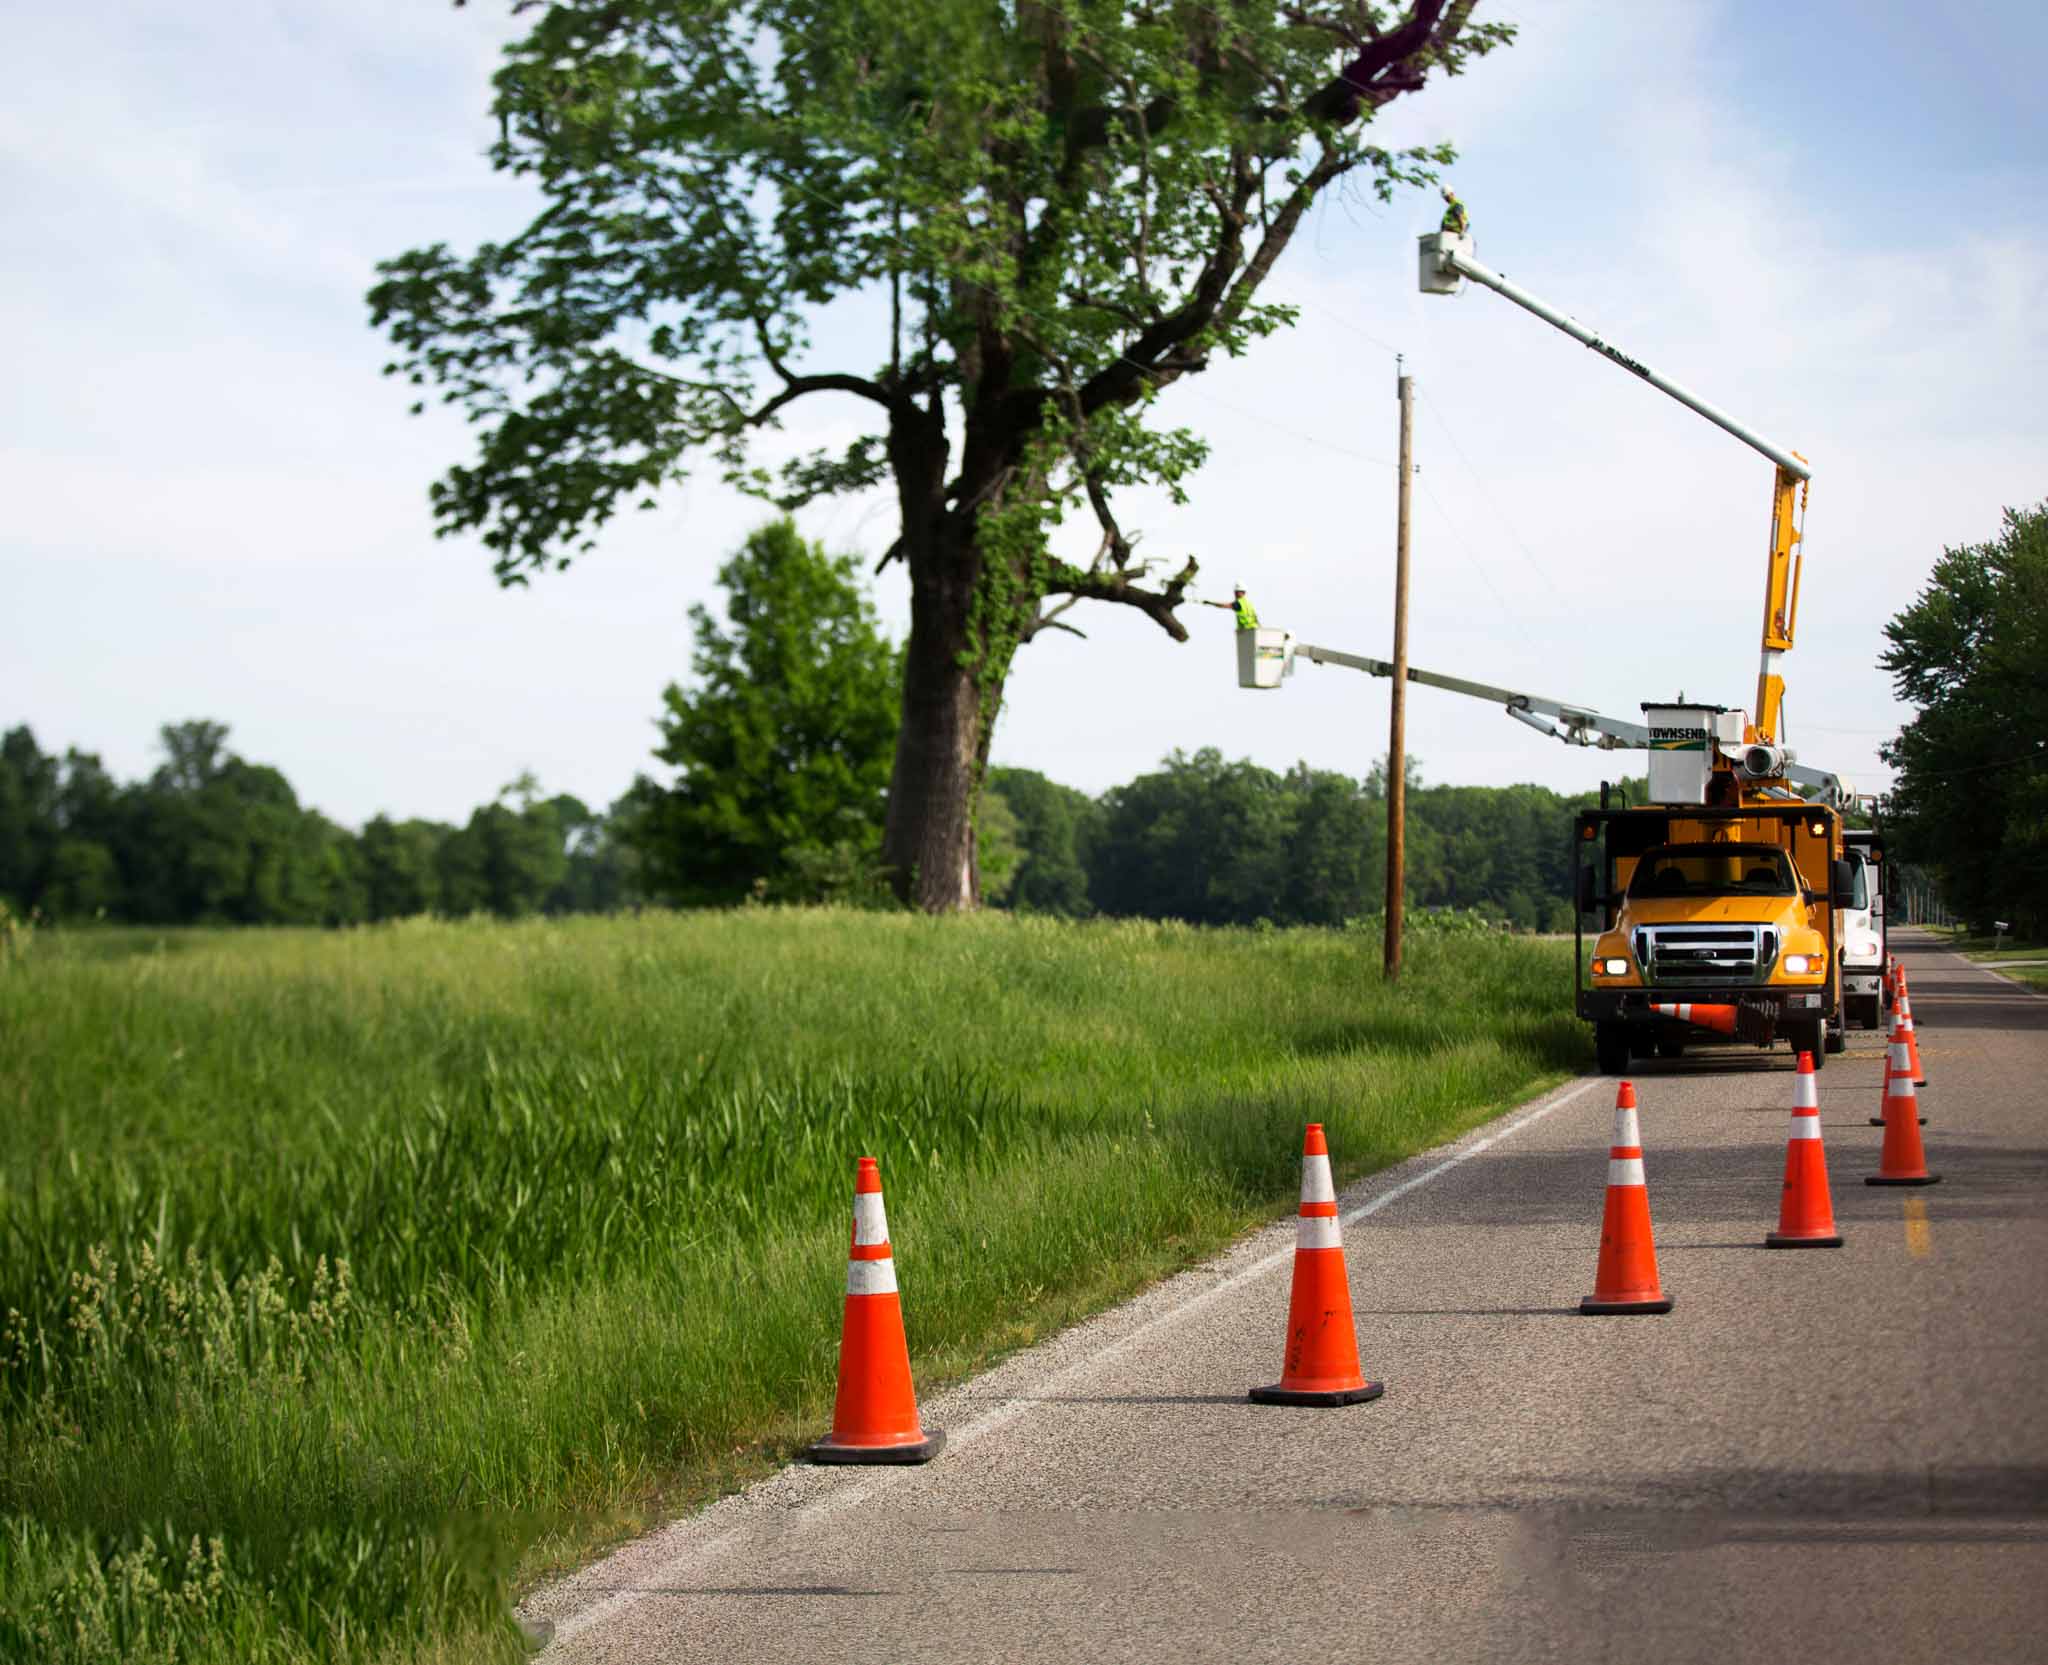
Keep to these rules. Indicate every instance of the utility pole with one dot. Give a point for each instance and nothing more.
(1397, 751)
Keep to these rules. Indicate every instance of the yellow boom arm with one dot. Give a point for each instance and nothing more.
(1781, 600)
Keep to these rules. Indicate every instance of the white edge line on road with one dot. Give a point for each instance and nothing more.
(1001, 1416)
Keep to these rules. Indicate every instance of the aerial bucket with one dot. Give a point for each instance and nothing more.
(1264, 657)
(1436, 277)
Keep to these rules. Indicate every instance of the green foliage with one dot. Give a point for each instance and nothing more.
(1054, 181)
(999, 848)
(1230, 843)
(1971, 797)
(784, 738)
(1055, 829)
(368, 1260)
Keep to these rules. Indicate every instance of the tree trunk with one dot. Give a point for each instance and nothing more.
(928, 838)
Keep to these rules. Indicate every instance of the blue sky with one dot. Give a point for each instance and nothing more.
(1828, 218)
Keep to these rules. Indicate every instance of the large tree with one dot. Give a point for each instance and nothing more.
(1048, 213)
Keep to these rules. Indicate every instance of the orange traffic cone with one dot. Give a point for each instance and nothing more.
(1905, 1021)
(874, 1418)
(1806, 1212)
(1902, 1162)
(1878, 1120)
(1626, 1279)
(1321, 1363)
(1718, 1018)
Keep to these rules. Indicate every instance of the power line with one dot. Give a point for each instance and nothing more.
(1514, 535)
(1471, 554)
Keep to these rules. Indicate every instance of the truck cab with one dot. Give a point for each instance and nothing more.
(1710, 922)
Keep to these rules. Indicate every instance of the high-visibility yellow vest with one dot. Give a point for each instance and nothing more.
(1247, 619)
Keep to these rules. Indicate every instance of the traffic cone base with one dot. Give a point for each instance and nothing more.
(1904, 1179)
(829, 1450)
(1278, 1395)
(1609, 1309)
(1625, 1278)
(1320, 1366)
(874, 1417)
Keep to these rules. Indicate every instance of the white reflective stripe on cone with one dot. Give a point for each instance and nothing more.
(1899, 1064)
(1806, 1127)
(1315, 1180)
(870, 1223)
(1625, 1129)
(1805, 1094)
(1318, 1231)
(1625, 1170)
(871, 1277)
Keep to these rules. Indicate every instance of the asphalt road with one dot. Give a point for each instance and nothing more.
(1817, 1455)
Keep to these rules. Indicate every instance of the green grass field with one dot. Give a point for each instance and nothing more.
(350, 1278)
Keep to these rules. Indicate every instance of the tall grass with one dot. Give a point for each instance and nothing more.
(339, 1273)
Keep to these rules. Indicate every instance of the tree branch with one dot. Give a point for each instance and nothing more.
(1049, 619)
(1339, 100)
(1156, 605)
(794, 386)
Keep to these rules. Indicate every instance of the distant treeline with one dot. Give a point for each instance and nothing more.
(211, 838)
(1223, 843)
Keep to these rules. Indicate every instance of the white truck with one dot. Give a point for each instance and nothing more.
(1864, 943)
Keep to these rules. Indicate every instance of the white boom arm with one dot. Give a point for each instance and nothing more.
(1574, 725)
(1454, 254)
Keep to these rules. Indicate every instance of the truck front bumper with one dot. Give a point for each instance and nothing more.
(1785, 1005)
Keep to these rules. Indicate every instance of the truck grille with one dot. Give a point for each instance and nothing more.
(1706, 953)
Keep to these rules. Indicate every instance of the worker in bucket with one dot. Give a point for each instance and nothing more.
(1456, 221)
(1247, 618)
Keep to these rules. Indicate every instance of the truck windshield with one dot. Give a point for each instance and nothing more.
(1713, 870)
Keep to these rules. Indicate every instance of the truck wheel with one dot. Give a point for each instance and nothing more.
(1837, 1039)
(1809, 1037)
(1610, 1043)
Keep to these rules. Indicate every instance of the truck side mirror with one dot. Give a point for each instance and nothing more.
(1842, 884)
(1589, 897)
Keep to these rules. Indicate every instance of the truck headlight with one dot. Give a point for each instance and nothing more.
(1611, 968)
(1799, 965)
